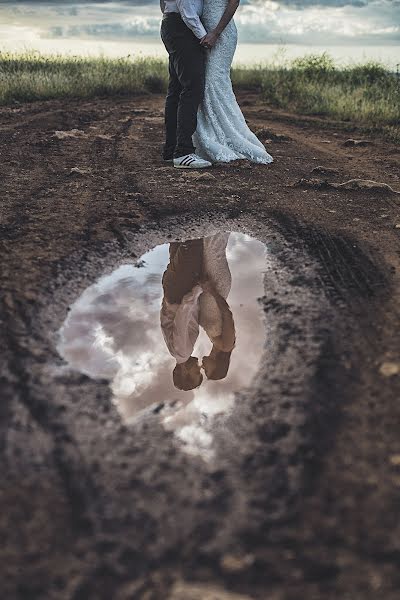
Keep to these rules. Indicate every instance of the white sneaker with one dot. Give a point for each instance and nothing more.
(191, 161)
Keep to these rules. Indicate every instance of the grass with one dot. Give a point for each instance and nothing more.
(33, 76)
(366, 94)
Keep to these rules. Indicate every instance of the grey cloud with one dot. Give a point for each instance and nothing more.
(138, 3)
(327, 3)
(131, 19)
(62, 3)
(107, 30)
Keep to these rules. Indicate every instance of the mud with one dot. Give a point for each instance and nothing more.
(302, 500)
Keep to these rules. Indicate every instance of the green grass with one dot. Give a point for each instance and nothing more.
(366, 94)
(32, 76)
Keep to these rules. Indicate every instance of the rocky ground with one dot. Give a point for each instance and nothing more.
(302, 500)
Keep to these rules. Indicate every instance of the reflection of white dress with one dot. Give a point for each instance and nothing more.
(217, 271)
(222, 133)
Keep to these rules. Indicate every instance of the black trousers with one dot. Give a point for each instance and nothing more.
(184, 270)
(186, 85)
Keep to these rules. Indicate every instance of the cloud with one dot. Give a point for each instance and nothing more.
(138, 26)
(324, 22)
(61, 2)
(321, 22)
(323, 3)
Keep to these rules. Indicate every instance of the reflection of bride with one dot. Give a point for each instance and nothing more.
(196, 284)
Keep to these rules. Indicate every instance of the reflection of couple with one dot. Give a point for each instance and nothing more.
(196, 284)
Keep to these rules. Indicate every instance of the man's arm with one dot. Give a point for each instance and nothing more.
(211, 38)
(191, 18)
(162, 5)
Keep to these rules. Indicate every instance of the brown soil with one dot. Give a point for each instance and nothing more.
(305, 504)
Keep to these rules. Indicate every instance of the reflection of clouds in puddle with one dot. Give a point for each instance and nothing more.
(113, 332)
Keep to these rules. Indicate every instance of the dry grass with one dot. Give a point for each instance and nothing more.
(365, 94)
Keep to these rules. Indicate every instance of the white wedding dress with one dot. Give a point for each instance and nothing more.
(222, 133)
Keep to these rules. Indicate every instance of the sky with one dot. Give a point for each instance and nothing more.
(321, 22)
(268, 21)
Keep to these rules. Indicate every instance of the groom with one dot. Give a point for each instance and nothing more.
(182, 33)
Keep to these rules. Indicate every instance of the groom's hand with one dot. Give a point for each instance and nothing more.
(209, 40)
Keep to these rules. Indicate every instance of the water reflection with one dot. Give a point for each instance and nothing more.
(176, 335)
(196, 284)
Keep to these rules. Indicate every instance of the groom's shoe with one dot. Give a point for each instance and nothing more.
(191, 161)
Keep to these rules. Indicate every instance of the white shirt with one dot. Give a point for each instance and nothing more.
(190, 11)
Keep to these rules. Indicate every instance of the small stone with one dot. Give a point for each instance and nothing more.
(312, 183)
(9, 300)
(80, 171)
(351, 142)
(397, 226)
(395, 460)
(73, 133)
(388, 369)
(236, 563)
(199, 176)
(266, 134)
(104, 136)
(324, 170)
(365, 184)
(202, 591)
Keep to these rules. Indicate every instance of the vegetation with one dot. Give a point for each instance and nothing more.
(33, 76)
(366, 94)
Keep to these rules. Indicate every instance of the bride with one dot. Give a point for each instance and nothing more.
(222, 133)
(201, 109)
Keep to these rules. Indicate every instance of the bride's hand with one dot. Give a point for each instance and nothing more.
(209, 40)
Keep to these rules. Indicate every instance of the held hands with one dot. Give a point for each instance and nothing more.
(209, 40)
(207, 286)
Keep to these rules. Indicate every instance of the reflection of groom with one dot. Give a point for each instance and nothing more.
(190, 299)
(182, 32)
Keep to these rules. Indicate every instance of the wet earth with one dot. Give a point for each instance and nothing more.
(279, 480)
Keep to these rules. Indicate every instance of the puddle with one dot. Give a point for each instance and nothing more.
(185, 315)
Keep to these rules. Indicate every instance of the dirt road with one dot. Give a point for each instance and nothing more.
(303, 499)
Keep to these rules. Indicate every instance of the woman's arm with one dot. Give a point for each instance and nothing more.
(162, 5)
(211, 38)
